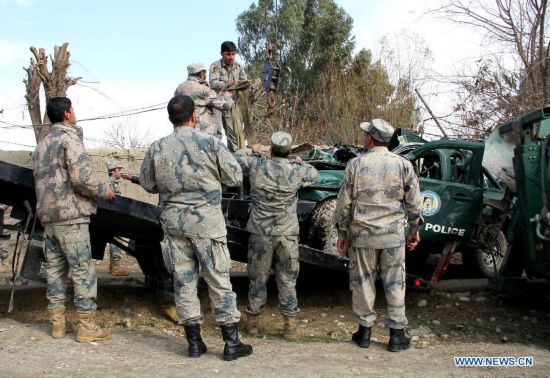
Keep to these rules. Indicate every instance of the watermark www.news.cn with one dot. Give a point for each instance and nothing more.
(494, 361)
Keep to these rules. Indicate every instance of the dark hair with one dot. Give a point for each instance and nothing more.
(110, 172)
(228, 46)
(56, 108)
(376, 142)
(180, 109)
(276, 153)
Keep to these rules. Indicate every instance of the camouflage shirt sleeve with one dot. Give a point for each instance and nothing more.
(246, 159)
(147, 174)
(309, 175)
(214, 78)
(80, 171)
(342, 216)
(413, 200)
(231, 173)
(217, 102)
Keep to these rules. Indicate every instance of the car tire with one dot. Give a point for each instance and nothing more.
(480, 261)
(322, 234)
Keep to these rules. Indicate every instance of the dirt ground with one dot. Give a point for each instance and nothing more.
(147, 343)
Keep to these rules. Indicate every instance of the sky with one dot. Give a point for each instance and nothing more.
(132, 54)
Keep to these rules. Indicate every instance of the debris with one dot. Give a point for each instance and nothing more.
(422, 303)
(421, 331)
(525, 318)
(414, 338)
(305, 320)
(479, 320)
(480, 299)
(464, 298)
(504, 339)
(444, 336)
(436, 322)
(323, 314)
(498, 330)
(492, 319)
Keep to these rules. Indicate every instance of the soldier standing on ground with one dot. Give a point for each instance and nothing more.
(223, 74)
(115, 253)
(187, 168)
(379, 195)
(65, 187)
(5, 236)
(273, 227)
(207, 101)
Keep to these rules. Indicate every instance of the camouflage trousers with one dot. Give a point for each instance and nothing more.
(230, 133)
(4, 245)
(115, 252)
(68, 248)
(182, 257)
(365, 265)
(282, 251)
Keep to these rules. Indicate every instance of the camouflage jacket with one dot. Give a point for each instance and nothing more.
(187, 168)
(379, 195)
(63, 178)
(274, 184)
(206, 102)
(220, 74)
(115, 184)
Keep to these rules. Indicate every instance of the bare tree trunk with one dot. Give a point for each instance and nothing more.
(32, 85)
(55, 83)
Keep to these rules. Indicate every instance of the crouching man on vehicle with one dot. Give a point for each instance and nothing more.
(65, 187)
(273, 227)
(379, 195)
(187, 168)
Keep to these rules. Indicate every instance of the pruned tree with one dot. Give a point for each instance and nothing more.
(54, 81)
(512, 79)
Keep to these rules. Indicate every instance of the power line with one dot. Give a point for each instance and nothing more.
(124, 113)
(17, 144)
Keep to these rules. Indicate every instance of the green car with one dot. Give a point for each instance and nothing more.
(461, 199)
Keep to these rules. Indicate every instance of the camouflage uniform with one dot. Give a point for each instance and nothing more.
(114, 251)
(207, 105)
(5, 235)
(187, 169)
(273, 225)
(65, 185)
(379, 194)
(219, 75)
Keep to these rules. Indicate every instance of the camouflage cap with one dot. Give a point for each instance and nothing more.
(378, 129)
(195, 68)
(112, 166)
(281, 142)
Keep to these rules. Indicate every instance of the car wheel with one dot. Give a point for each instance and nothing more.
(322, 233)
(484, 261)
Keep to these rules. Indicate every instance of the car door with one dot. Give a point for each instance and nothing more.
(451, 184)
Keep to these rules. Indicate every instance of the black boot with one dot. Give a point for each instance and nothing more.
(398, 340)
(362, 336)
(194, 339)
(233, 347)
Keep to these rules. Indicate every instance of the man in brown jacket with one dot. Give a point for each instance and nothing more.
(65, 187)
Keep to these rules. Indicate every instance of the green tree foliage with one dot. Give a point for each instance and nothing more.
(325, 89)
